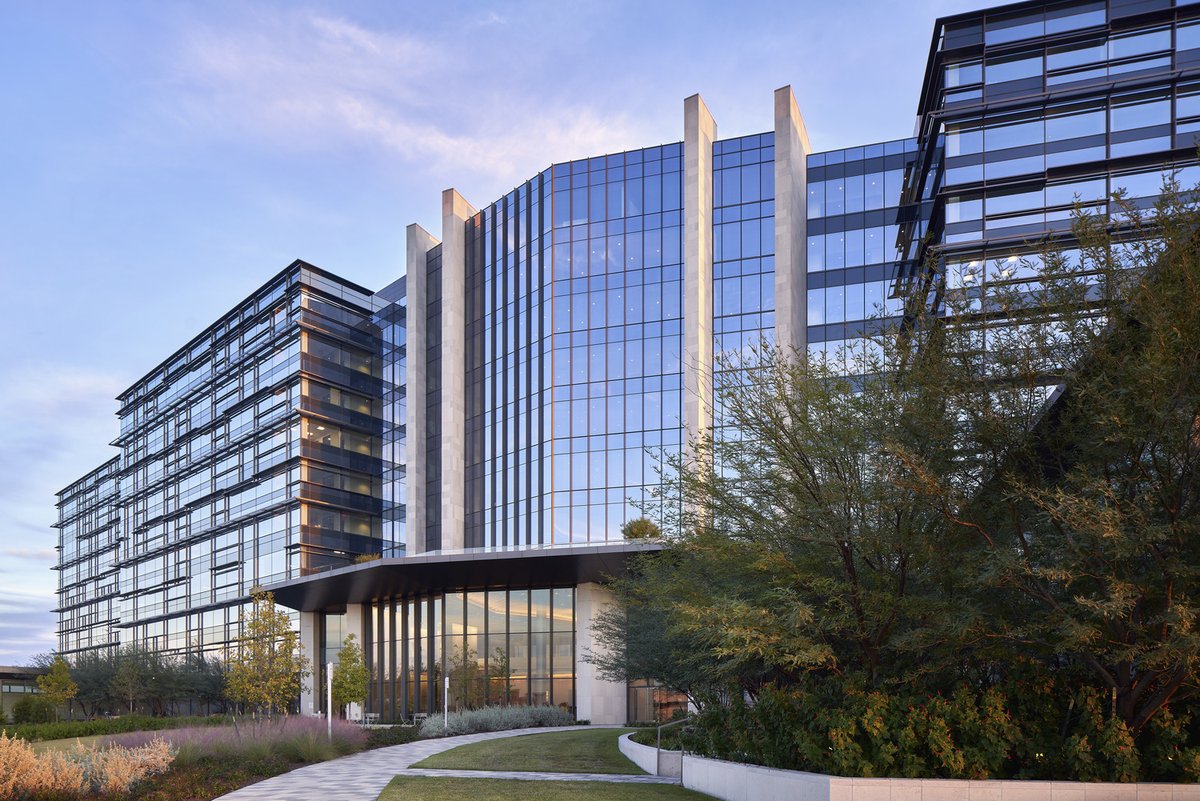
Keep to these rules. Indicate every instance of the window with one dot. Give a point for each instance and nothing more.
(1017, 134)
(1013, 28)
(1074, 123)
(1077, 55)
(964, 74)
(1014, 69)
(1139, 43)
(1013, 202)
(1187, 37)
(1139, 112)
(960, 209)
(964, 138)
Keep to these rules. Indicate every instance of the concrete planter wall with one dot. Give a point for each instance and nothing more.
(733, 781)
(649, 758)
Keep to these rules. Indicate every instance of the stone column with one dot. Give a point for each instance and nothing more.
(417, 246)
(310, 642)
(596, 699)
(699, 132)
(455, 213)
(791, 223)
(356, 620)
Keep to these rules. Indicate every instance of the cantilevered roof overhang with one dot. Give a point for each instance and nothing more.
(467, 569)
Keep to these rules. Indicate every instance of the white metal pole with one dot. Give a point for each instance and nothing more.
(329, 699)
(446, 702)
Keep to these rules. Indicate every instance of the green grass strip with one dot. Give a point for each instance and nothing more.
(584, 751)
(427, 788)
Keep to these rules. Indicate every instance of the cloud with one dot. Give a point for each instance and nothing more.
(59, 392)
(492, 18)
(61, 417)
(27, 626)
(57, 407)
(42, 554)
(307, 82)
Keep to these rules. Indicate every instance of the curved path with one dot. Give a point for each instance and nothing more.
(362, 776)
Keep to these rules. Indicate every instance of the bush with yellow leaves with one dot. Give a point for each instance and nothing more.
(81, 773)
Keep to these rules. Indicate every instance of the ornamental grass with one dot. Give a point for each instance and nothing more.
(83, 772)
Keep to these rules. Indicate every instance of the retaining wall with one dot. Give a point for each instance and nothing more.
(649, 758)
(733, 781)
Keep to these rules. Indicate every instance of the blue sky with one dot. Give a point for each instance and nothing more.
(161, 160)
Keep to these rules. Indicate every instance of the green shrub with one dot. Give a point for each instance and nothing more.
(125, 724)
(829, 727)
(1167, 748)
(391, 735)
(32, 709)
(672, 739)
(495, 718)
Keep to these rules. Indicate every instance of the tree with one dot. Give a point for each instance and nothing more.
(498, 677)
(640, 528)
(641, 637)
(796, 542)
(33, 709)
(466, 678)
(1005, 497)
(94, 672)
(1088, 506)
(350, 675)
(164, 681)
(203, 679)
(129, 677)
(270, 666)
(57, 686)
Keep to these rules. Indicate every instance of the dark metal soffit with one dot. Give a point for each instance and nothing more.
(470, 569)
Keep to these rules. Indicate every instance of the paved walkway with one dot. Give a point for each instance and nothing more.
(362, 777)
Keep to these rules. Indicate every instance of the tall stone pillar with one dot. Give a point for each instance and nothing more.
(310, 642)
(417, 246)
(455, 213)
(596, 698)
(791, 223)
(699, 132)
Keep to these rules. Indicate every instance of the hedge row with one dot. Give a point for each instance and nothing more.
(1049, 732)
(34, 732)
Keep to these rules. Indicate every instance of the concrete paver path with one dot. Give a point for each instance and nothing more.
(362, 776)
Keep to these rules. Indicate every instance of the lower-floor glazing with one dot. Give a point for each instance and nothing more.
(476, 648)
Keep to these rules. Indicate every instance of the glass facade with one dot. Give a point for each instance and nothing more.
(574, 322)
(854, 220)
(392, 321)
(89, 533)
(253, 455)
(496, 646)
(433, 403)
(743, 243)
(1027, 113)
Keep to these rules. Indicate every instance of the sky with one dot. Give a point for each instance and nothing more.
(161, 160)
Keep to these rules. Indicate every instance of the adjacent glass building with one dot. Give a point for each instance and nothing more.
(443, 467)
(251, 455)
(89, 539)
(1029, 109)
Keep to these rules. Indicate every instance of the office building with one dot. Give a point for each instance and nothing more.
(252, 454)
(479, 430)
(1029, 109)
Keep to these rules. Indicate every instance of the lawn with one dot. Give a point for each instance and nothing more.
(68, 743)
(422, 788)
(585, 751)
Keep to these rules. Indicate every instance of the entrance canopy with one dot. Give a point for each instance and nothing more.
(466, 569)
